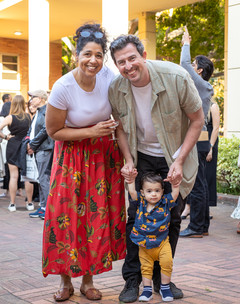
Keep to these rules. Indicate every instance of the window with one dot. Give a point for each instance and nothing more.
(9, 67)
(9, 73)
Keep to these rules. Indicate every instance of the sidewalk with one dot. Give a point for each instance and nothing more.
(207, 269)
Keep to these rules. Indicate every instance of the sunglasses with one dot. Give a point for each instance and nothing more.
(86, 33)
(32, 98)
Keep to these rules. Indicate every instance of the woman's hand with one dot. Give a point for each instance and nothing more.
(104, 128)
(9, 136)
(209, 156)
(129, 172)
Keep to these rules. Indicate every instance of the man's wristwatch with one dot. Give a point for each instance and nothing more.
(5, 137)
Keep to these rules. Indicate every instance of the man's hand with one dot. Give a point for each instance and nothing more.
(175, 174)
(29, 150)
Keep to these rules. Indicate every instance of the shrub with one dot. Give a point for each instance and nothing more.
(228, 173)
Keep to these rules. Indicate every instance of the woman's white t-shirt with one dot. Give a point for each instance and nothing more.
(83, 108)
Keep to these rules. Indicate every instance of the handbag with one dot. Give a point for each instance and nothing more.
(31, 170)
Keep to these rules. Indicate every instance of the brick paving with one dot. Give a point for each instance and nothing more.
(207, 269)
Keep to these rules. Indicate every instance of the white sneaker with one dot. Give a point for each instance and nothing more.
(12, 207)
(30, 206)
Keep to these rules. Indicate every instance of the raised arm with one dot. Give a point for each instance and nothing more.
(132, 191)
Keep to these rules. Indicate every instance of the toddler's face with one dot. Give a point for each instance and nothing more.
(152, 192)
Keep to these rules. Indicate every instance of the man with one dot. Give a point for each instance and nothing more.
(6, 98)
(160, 114)
(200, 70)
(40, 144)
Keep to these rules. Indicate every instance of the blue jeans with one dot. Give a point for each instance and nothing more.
(42, 160)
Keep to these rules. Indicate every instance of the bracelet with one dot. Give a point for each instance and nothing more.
(5, 137)
(211, 145)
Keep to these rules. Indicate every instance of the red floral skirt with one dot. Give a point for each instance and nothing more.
(84, 228)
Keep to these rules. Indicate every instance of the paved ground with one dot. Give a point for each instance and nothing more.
(207, 269)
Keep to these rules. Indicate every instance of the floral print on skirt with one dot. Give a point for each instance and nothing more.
(85, 220)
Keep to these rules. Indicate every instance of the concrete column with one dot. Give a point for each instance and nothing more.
(232, 109)
(147, 33)
(115, 21)
(38, 44)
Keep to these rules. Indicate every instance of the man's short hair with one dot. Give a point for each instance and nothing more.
(5, 96)
(206, 65)
(120, 42)
(38, 93)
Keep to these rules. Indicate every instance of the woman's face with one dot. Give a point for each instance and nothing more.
(90, 59)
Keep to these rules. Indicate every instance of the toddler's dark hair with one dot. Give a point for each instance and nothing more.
(152, 177)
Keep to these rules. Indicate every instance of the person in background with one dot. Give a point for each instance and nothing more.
(211, 166)
(86, 205)
(160, 115)
(41, 145)
(236, 212)
(150, 231)
(6, 98)
(18, 122)
(201, 70)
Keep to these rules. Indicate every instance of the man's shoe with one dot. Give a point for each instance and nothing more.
(177, 292)
(190, 233)
(37, 213)
(130, 291)
(42, 216)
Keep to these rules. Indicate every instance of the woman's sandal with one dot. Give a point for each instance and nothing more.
(63, 293)
(92, 294)
(238, 228)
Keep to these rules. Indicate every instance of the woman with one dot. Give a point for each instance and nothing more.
(211, 166)
(85, 217)
(18, 122)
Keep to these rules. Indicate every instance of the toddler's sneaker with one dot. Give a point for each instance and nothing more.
(30, 206)
(146, 294)
(166, 293)
(12, 207)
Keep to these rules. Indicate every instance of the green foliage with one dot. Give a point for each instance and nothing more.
(68, 59)
(228, 173)
(205, 23)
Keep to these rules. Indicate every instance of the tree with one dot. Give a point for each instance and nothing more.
(68, 54)
(205, 23)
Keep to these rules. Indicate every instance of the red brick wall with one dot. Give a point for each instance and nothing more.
(20, 47)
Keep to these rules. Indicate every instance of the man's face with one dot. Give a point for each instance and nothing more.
(35, 101)
(132, 65)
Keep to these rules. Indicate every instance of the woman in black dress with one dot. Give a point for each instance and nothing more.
(18, 122)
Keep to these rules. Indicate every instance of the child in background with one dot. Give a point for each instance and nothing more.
(150, 231)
